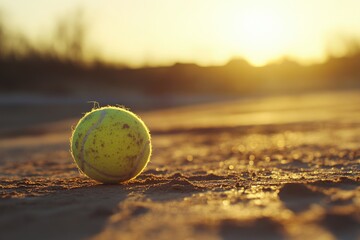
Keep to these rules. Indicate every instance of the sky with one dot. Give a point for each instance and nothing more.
(206, 32)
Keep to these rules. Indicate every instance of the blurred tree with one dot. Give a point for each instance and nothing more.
(2, 37)
(70, 37)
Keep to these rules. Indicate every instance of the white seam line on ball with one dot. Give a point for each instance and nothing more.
(82, 154)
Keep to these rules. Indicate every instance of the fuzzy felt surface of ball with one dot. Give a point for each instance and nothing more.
(111, 145)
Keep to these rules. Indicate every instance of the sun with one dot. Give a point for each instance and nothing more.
(257, 34)
(261, 28)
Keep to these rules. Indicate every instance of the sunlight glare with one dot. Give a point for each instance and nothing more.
(257, 34)
(261, 27)
(202, 31)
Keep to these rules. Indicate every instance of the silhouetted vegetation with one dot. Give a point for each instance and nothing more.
(60, 67)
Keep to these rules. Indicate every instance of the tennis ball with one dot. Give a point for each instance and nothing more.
(111, 145)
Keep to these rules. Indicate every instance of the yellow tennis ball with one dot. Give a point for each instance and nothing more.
(111, 145)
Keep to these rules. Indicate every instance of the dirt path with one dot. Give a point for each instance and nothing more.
(274, 168)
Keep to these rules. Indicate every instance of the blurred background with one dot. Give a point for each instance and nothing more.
(56, 57)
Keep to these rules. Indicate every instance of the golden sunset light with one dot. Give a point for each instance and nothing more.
(258, 34)
(162, 32)
(179, 119)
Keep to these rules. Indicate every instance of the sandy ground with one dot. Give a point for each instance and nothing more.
(269, 168)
